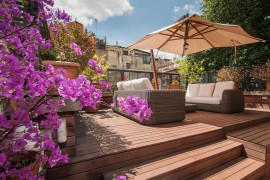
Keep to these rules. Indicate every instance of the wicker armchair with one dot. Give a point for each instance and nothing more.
(167, 105)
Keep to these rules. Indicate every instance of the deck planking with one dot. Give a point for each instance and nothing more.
(256, 141)
(106, 141)
(230, 122)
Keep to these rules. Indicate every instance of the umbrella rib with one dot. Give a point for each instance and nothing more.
(173, 32)
(203, 31)
(201, 34)
(227, 30)
(180, 38)
(170, 36)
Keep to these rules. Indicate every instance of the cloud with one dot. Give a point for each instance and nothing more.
(85, 11)
(188, 8)
(191, 9)
(176, 9)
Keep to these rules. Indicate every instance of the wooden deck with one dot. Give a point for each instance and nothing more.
(107, 141)
(256, 141)
(230, 122)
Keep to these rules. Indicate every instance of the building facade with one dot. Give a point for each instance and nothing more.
(127, 64)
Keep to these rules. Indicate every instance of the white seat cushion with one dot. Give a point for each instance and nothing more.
(206, 90)
(192, 90)
(204, 100)
(142, 84)
(120, 85)
(221, 86)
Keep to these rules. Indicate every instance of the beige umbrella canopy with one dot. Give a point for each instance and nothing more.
(194, 34)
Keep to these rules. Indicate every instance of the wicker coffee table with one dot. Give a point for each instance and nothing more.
(190, 108)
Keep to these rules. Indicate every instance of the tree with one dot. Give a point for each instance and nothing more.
(253, 17)
(73, 32)
(190, 70)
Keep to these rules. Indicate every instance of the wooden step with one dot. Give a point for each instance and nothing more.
(182, 164)
(240, 168)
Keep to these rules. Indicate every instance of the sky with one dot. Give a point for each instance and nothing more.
(127, 21)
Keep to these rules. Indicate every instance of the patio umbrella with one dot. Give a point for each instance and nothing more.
(194, 34)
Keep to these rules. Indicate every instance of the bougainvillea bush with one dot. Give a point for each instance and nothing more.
(25, 85)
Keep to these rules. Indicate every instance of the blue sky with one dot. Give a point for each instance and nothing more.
(147, 16)
(127, 21)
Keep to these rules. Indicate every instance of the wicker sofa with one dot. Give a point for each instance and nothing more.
(218, 97)
(166, 105)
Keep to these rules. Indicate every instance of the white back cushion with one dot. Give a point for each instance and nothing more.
(221, 86)
(192, 90)
(136, 84)
(120, 85)
(206, 90)
(127, 85)
(141, 84)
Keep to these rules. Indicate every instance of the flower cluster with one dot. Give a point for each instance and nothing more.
(94, 64)
(76, 48)
(26, 85)
(133, 105)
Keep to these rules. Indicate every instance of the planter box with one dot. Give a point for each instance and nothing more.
(257, 99)
(107, 97)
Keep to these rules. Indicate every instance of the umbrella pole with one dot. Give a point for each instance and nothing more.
(154, 69)
(234, 54)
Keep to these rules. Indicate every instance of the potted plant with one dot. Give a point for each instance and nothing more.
(99, 64)
(72, 47)
(236, 74)
(262, 73)
(175, 83)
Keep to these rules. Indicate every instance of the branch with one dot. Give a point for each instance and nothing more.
(28, 25)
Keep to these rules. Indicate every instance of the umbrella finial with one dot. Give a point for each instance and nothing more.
(183, 17)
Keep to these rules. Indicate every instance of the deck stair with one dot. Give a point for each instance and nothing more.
(224, 156)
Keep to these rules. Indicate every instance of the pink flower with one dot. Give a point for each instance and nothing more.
(3, 159)
(92, 63)
(105, 84)
(76, 48)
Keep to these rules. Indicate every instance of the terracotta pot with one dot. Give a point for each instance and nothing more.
(173, 87)
(89, 109)
(268, 85)
(70, 67)
(97, 85)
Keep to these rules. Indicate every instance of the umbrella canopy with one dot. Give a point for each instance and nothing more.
(194, 34)
(191, 35)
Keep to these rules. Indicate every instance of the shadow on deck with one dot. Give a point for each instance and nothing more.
(106, 141)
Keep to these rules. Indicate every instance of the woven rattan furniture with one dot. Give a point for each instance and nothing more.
(190, 108)
(232, 101)
(166, 105)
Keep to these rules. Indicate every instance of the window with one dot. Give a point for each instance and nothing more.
(144, 55)
(125, 53)
(128, 65)
(146, 59)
